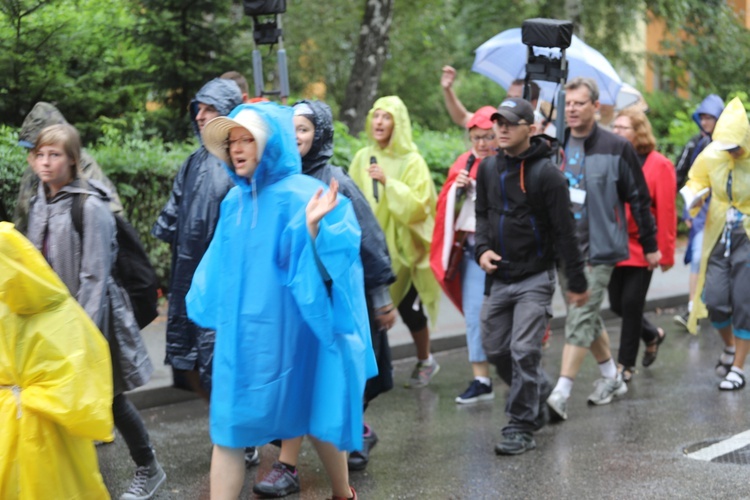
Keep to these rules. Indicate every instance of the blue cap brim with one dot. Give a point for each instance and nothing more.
(26, 144)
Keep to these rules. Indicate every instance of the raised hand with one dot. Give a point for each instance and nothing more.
(320, 205)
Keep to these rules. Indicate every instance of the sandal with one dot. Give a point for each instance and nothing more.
(722, 369)
(732, 382)
(650, 357)
(627, 374)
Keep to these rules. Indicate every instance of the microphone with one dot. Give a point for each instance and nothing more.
(373, 161)
(460, 192)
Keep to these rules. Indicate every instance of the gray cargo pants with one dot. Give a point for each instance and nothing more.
(514, 317)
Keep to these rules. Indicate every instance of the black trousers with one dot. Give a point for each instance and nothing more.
(130, 424)
(627, 298)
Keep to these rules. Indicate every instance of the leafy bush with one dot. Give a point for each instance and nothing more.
(12, 165)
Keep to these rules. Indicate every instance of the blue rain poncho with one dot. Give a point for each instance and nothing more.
(289, 359)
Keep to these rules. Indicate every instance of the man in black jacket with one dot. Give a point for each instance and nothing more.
(523, 216)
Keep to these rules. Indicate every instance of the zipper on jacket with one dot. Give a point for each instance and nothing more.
(501, 224)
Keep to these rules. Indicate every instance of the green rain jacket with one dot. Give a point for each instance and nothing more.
(711, 169)
(406, 206)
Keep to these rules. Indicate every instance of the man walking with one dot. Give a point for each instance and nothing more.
(604, 173)
(522, 211)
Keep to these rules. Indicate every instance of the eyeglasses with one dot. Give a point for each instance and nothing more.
(621, 127)
(242, 141)
(479, 138)
(508, 125)
(576, 104)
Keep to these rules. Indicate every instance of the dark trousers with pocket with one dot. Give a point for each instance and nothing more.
(514, 317)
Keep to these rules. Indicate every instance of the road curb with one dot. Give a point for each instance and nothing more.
(161, 396)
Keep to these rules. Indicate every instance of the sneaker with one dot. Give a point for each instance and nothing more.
(252, 457)
(733, 382)
(147, 480)
(681, 319)
(280, 482)
(358, 460)
(423, 374)
(515, 443)
(477, 391)
(558, 403)
(605, 389)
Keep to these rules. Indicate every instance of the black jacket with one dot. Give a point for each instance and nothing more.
(527, 224)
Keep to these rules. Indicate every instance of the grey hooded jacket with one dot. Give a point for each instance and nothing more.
(42, 115)
(84, 263)
(187, 222)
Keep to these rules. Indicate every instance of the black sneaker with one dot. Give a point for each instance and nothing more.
(515, 443)
(280, 482)
(358, 460)
(477, 391)
(252, 457)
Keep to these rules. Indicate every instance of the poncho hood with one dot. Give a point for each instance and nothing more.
(221, 93)
(42, 115)
(280, 156)
(733, 126)
(26, 292)
(321, 150)
(401, 139)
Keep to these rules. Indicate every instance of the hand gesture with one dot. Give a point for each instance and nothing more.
(376, 172)
(319, 205)
(488, 260)
(448, 76)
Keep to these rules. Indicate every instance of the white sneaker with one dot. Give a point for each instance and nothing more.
(605, 389)
(558, 403)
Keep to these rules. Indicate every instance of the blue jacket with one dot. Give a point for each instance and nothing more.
(187, 222)
(289, 359)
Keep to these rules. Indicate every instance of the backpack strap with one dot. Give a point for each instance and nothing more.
(76, 213)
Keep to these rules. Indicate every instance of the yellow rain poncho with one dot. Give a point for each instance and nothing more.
(711, 169)
(55, 382)
(406, 206)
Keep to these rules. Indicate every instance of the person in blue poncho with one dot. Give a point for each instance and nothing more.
(282, 285)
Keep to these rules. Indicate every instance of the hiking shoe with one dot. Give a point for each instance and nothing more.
(681, 319)
(252, 457)
(733, 382)
(515, 443)
(280, 482)
(423, 373)
(147, 480)
(358, 460)
(558, 403)
(477, 391)
(605, 389)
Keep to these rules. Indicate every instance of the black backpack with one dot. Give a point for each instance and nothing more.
(132, 270)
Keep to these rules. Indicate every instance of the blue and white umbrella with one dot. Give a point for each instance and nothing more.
(502, 58)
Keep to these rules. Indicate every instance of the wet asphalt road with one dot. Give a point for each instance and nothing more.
(432, 448)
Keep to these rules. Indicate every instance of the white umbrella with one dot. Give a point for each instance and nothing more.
(502, 58)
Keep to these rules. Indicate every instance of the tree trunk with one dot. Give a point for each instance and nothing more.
(362, 88)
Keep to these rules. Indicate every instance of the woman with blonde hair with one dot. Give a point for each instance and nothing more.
(631, 278)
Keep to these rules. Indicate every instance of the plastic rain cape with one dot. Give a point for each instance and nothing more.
(289, 360)
(711, 169)
(55, 382)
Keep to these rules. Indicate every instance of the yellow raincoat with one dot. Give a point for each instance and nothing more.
(55, 382)
(711, 169)
(406, 210)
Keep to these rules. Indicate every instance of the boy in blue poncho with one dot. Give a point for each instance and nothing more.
(282, 284)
